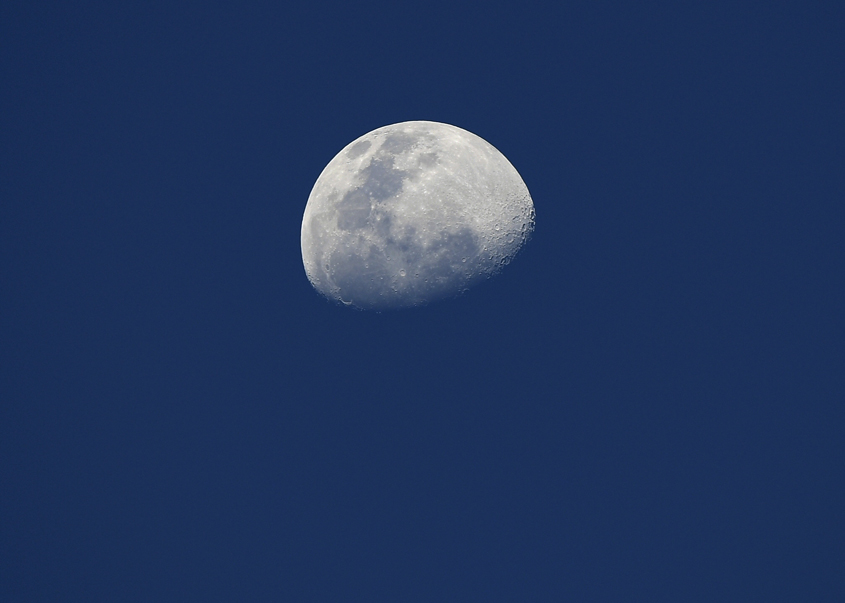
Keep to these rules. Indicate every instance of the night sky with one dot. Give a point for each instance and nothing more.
(648, 404)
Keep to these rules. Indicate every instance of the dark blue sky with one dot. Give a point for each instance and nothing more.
(647, 405)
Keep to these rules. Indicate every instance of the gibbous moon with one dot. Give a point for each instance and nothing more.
(411, 213)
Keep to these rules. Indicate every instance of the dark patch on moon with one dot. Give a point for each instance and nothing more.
(360, 280)
(358, 149)
(399, 142)
(449, 263)
(353, 211)
(382, 181)
(428, 160)
(437, 270)
(382, 223)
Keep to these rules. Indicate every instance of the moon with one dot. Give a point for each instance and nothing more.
(412, 213)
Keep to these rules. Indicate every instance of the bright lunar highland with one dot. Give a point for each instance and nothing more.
(411, 213)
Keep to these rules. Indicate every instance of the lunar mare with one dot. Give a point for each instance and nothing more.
(411, 213)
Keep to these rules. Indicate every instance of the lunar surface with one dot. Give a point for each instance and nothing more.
(411, 213)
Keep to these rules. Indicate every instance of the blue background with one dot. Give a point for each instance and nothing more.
(647, 405)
